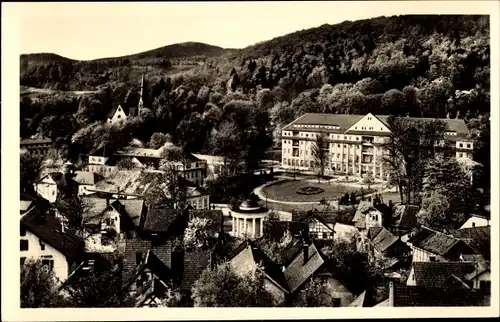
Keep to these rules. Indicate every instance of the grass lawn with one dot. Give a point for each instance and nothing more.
(287, 191)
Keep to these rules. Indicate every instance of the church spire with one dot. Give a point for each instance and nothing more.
(141, 94)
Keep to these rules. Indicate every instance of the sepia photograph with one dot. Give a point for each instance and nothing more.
(251, 155)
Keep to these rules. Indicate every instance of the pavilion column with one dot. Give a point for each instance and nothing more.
(244, 227)
(253, 228)
(261, 227)
(234, 225)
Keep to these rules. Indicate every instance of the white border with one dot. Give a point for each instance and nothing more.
(10, 197)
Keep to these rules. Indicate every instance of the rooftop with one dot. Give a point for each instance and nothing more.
(435, 274)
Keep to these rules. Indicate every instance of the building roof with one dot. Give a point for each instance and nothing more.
(25, 205)
(406, 296)
(139, 152)
(433, 241)
(340, 123)
(296, 273)
(152, 261)
(194, 264)
(405, 216)
(248, 253)
(128, 182)
(133, 208)
(86, 177)
(35, 141)
(383, 240)
(51, 232)
(477, 238)
(435, 274)
(162, 251)
(160, 219)
(373, 231)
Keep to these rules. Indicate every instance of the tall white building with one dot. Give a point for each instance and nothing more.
(354, 142)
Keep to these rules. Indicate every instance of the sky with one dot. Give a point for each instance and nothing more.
(97, 30)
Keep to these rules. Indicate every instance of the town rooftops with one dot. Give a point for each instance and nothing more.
(51, 232)
(35, 141)
(139, 247)
(405, 216)
(297, 272)
(383, 240)
(340, 123)
(139, 152)
(435, 274)
(407, 296)
(194, 264)
(86, 177)
(436, 242)
(247, 253)
(128, 182)
(159, 219)
(477, 238)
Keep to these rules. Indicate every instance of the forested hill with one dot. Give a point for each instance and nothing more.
(430, 66)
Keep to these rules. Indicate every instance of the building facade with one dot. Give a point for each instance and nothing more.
(354, 142)
(36, 146)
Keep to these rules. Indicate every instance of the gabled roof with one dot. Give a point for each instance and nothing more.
(194, 264)
(477, 238)
(51, 232)
(296, 273)
(405, 216)
(139, 152)
(154, 263)
(86, 177)
(434, 242)
(248, 253)
(159, 219)
(373, 231)
(132, 246)
(434, 274)
(406, 296)
(128, 182)
(363, 207)
(383, 240)
(133, 208)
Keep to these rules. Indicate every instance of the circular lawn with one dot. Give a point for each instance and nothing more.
(290, 191)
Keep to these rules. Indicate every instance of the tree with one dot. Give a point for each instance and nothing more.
(158, 139)
(169, 189)
(30, 167)
(171, 298)
(97, 289)
(316, 293)
(38, 286)
(358, 273)
(368, 179)
(199, 233)
(409, 146)
(448, 195)
(320, 154)
(223, 287)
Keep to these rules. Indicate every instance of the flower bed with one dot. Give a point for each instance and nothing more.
(309, 191)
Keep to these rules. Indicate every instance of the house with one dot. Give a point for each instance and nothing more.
(325, 224)
(164, 223)
(120, 113)
(195, 262)
(369, 214)
(477, 238)
(102, 161)
(43, 237)
(383, 243)
(86, 181)
(411, 296)
(429, 245)
(147, 282)
(36, 147)
(477, 220)
(438, 274)
(404, 219)
(354, 142)
(248, 258)
(311, 263)
(197, 197)
(63, 185)
(120, 215)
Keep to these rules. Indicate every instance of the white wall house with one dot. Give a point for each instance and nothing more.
(47, 188)
(44, 238)
(476, 221)
(119, 116)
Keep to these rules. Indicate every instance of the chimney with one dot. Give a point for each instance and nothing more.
(306, 252)
(107, 201)
(391, 294)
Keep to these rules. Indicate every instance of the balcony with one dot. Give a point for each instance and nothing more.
(367, 139)
(295, 143)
